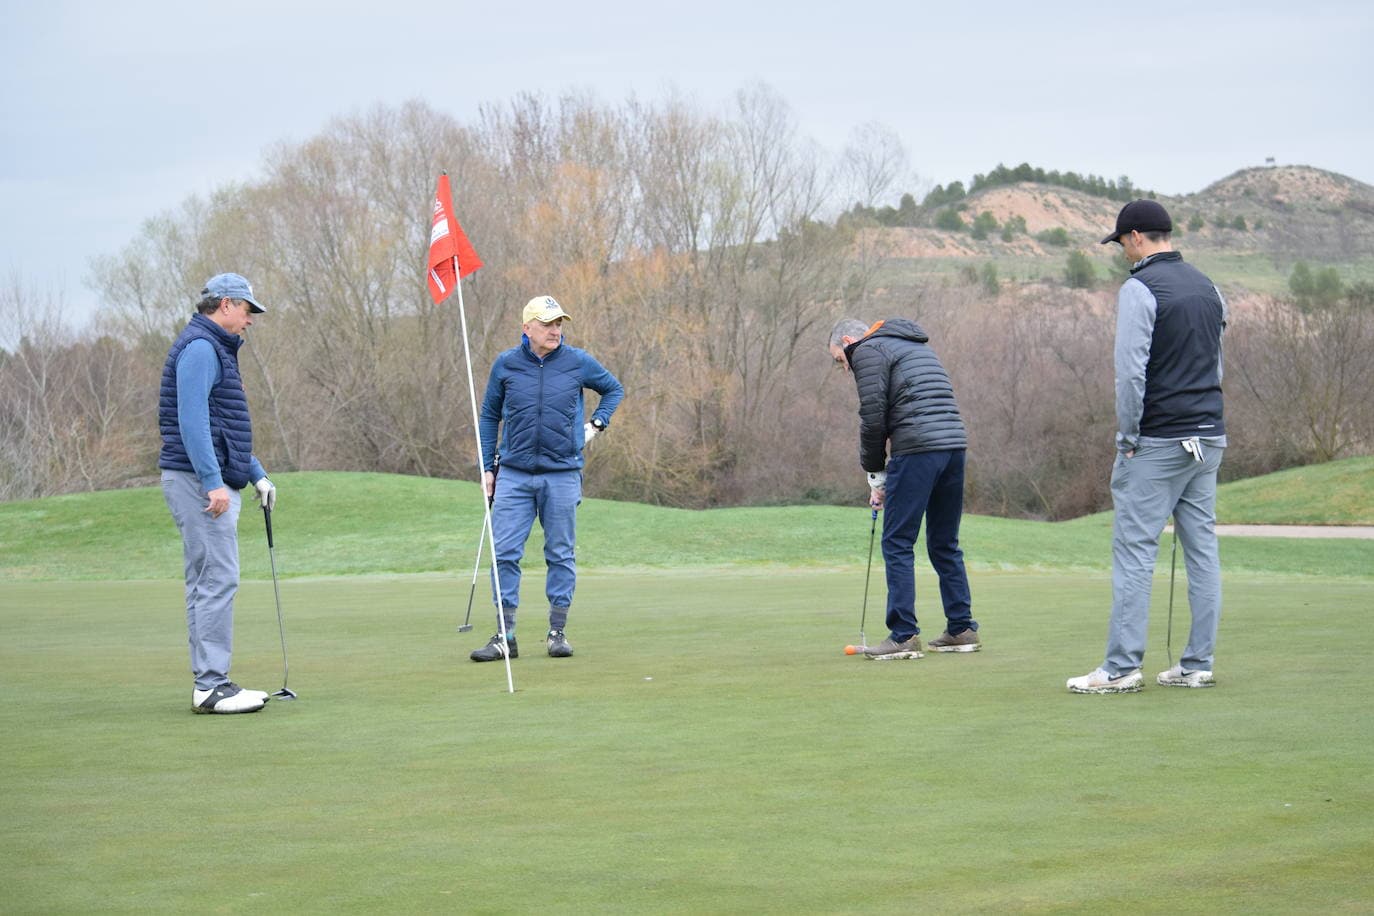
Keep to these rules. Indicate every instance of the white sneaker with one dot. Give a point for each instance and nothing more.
(1100, 681)
(227, 698)
(1179, 676)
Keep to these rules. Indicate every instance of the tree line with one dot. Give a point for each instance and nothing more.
(703, 258)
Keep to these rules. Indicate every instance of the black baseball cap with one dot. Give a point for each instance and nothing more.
(1141, 216)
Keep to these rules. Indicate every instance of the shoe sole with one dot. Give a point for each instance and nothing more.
(973, 648)
(1185, 682)
(1109, 688)
(560, 655)
(201, 710)
(895, 656)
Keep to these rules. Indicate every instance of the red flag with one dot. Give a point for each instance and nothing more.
(447, 242)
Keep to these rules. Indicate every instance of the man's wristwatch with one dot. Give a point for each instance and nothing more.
(599, 424)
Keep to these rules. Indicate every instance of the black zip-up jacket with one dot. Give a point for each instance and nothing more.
(906, 402)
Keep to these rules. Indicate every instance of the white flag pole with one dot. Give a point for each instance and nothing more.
(481, 474)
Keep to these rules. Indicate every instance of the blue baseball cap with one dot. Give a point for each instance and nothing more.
(232, 286)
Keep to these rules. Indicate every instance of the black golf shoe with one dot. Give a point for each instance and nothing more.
(558, 645)
(495, 650)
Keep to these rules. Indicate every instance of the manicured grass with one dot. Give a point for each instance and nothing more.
(1335, 493)
(708, 749)
(349, 524)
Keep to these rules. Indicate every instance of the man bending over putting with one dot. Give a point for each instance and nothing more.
(906, 404)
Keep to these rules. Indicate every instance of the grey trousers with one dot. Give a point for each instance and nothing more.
(211, 549)
(1163, 478)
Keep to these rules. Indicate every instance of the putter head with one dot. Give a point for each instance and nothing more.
(284, 694)
(464, 627)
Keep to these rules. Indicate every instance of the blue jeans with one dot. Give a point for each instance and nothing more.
(929, 485)
(552, 497)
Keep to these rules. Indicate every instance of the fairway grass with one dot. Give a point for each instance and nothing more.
(708, 749)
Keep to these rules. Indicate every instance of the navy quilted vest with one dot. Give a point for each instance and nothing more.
(1182, 384)
(230, 429)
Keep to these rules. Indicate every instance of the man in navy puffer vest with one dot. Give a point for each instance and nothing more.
(206, 458)
(534, 396)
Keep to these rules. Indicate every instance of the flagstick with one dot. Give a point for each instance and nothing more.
(481, 478)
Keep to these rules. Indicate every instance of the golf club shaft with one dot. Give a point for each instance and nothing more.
(863, 615)
(276, 594)
(476, 565)
(1169, 630)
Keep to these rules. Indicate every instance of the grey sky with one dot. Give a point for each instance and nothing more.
(112, 113)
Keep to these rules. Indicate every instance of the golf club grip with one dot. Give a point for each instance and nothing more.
(267, 517)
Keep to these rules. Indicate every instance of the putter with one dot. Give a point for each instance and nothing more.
(285, 693)
(863, 615)
(466, 625)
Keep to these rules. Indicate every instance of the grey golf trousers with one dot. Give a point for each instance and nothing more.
(1164, 478)
(211, 549)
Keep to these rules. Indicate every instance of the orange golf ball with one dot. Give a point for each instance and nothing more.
(851, 650)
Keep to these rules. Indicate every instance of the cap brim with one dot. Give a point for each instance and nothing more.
(552, 316)
(1111, 238)
(253, 306)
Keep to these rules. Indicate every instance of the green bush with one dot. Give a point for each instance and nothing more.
(1239, 223)
(1058, 236)
(991, 285)
(983, 224)
(1079, 272)
(1196, 223)
(949, 219)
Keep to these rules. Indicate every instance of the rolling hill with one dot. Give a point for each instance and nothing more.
(1246, 230)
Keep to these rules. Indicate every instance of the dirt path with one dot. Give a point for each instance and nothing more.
(1297, 531)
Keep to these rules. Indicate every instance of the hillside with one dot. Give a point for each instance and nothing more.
(1247, 230)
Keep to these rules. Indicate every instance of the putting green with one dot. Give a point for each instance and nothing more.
(708, 749)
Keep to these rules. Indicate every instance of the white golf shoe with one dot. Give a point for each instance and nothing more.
(1179, 676)
(227, 698)
(1100, 681)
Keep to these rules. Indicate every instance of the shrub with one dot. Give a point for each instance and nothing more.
(984, 223)
(1079, 272)
(1058, 236)
(991, 285)
(1196, 223)
(949, 219)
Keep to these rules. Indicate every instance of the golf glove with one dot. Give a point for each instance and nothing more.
(588, 430)
(267, 493)
(877, 480)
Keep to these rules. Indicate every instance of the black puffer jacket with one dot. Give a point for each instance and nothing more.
(905, 397)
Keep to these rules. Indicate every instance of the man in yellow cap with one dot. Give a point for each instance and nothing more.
(534, 399)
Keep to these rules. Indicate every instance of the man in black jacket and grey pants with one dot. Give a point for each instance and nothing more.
(907, 409)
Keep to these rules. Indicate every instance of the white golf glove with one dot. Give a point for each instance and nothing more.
(877, 480)
(267, 493)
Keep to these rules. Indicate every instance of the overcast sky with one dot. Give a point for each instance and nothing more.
(114, 112)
